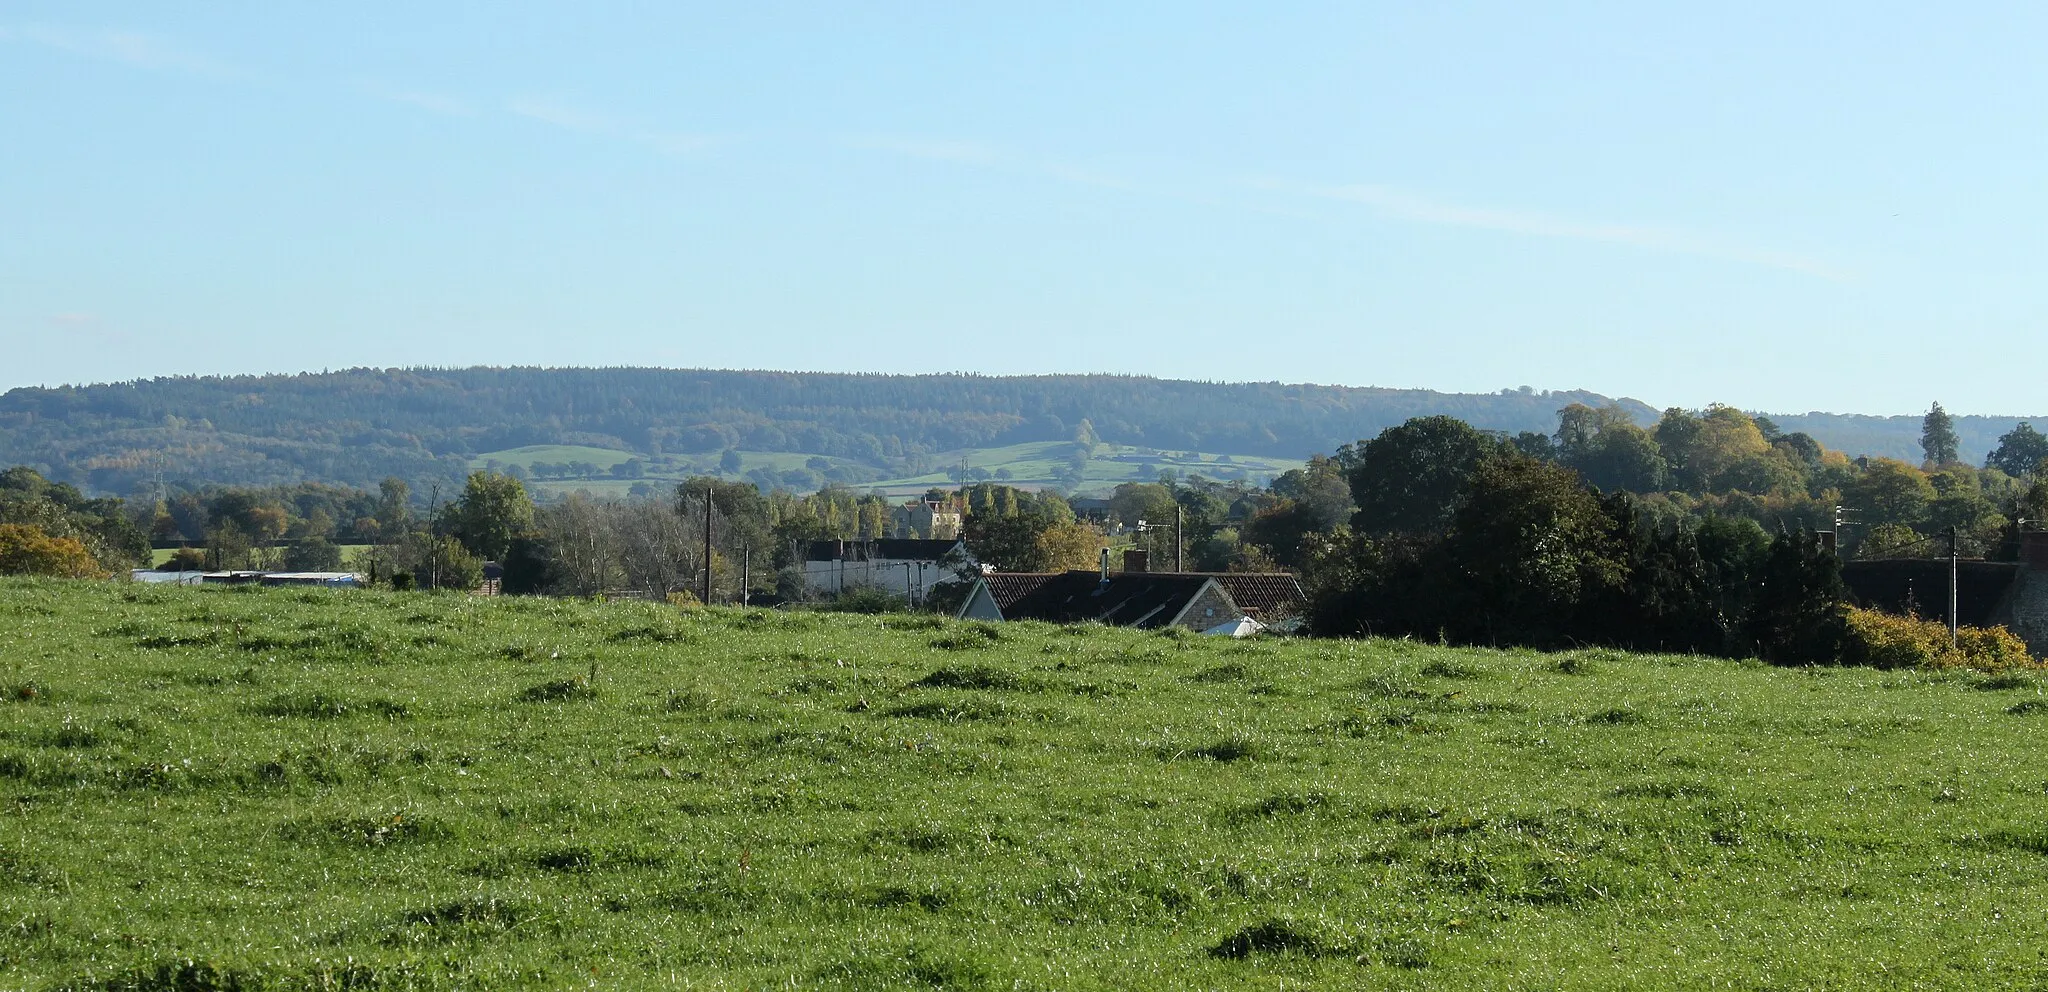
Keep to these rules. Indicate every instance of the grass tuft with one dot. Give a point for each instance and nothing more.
(1271, 936)
(324, 706)
(558, 691)
(974, 677)
(1615, 716)
(968, 637)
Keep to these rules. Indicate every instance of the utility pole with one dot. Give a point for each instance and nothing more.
(1954, 559)
(434, 538)
(707, 544)
(746, 563)
(1176, 535)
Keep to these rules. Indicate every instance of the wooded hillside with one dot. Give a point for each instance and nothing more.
(361, 425)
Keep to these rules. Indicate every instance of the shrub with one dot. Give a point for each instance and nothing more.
(26, 549)
(186, 560)
(1886, 640)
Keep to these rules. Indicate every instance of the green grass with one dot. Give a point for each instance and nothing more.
(524, 457)
(212, 788)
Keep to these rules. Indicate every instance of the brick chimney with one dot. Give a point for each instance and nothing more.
(1137, 561)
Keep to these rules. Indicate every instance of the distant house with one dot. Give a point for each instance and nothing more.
(2008, 594)
(909, 567)
(926, 518)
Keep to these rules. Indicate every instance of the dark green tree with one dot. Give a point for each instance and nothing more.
(1410, 478)
(2020, 452)
(1531, 547)
(1798, 617)
(1938, 437)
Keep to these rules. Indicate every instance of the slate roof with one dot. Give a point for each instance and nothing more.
(1262, 594)
(1129, 599)
(890, 548)
(1891, 585)
(1006, 588)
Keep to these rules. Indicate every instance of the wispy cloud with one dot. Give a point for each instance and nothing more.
(73, 319)
(126, 47)
(1405, 205)
(583, 120)
(437, 103)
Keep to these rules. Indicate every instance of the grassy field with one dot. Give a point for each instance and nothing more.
(603, 458)
(214, 789)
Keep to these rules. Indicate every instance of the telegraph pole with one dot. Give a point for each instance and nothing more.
(1954, 558)
(1176, 535)
(707, 544)
(434, 539)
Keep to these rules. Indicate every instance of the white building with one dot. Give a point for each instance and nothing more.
(904, 567)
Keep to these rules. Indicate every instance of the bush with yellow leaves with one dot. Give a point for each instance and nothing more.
(1887, 640)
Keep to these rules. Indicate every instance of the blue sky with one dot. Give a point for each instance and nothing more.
(1782, 207)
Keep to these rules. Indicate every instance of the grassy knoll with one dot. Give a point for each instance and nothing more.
(211, 788)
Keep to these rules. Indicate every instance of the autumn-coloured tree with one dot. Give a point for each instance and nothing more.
(27, 550)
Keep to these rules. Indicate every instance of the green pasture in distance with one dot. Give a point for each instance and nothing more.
(302, 788)
(524, 457)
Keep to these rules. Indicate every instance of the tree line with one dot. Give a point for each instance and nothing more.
(1700, 532)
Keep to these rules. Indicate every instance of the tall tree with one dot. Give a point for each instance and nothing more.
(1938, 437)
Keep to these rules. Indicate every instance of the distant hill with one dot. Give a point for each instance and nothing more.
(358, 426)
(361, 425)
(1898, 437)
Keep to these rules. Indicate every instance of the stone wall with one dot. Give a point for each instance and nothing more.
(2027, 605)
(1211, 607)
